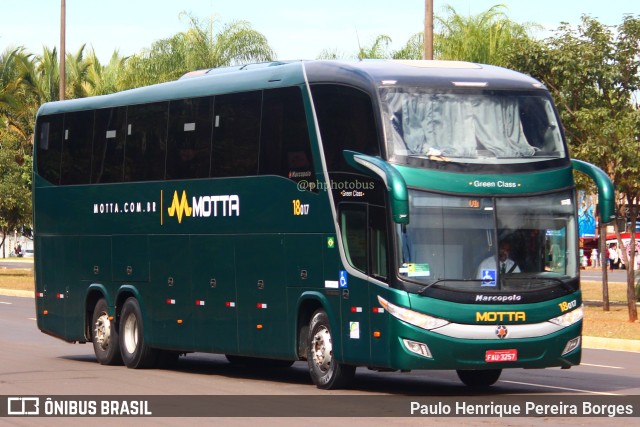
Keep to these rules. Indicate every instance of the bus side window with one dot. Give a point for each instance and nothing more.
(189, 145)
(353, 227)
(49, 146)
(76, 148)
(378, 242)
(236, 133)
(146, 142)
(364, 236)
(346, 120)
(108, 145)
(285, 149)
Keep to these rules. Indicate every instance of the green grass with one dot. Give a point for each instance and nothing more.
(17, 278)
(597, 323)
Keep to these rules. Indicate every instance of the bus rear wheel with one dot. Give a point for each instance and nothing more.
(480, 378)
(104, 335)
(325, 371)
(135, 353)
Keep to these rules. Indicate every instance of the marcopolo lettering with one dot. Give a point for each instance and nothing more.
(498, 298)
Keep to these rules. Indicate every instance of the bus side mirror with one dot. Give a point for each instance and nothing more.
(606, 194)
(396, 187)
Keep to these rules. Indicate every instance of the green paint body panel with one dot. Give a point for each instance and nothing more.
(466, 313)
(225, 265)
(209, 283)
(459, 183)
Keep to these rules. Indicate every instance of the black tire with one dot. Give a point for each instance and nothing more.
(325, 371)
(135, 353)
(104, 336)
(258, 362)
(480, 378)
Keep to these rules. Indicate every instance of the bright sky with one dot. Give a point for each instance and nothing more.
(295, 29)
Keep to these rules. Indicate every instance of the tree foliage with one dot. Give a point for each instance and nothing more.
(592, 72)
(484, 38)
(201, 46)
(15, 195)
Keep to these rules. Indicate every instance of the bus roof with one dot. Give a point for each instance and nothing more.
(367, 74)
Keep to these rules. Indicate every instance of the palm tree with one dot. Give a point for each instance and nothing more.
(483, 38)
(9, 84)
(79, 83)
(46, 75)
(197, 48)
(107, 78)
(413, 49)
(379, 49)
(16, 98)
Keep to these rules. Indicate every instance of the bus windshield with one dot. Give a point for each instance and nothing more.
(489, 244)
(471, 127)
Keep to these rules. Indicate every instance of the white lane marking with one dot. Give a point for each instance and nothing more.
(7, 303)
(601, 366)
(563, 388)
(31, 318)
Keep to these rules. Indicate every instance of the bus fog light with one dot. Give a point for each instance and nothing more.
(571, 345)
(418, 348)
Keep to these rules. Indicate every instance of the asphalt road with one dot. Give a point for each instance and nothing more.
(615, 276)
(16, 262)
(33, 363)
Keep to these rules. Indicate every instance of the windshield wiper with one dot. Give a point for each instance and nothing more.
(420, 292)
(536, 279)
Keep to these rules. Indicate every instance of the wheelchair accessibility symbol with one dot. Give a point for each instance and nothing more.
(343, 279)
(488, 277)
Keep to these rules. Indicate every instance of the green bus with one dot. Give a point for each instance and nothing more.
(343, 213)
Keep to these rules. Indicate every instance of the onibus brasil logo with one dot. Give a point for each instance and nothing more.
(203, 206)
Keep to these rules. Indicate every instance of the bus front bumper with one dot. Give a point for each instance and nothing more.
(416, 348)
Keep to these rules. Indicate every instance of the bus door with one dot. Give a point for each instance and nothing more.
(363, 227)
(349, 126)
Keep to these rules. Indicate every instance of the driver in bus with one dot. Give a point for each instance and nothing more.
(505, 264)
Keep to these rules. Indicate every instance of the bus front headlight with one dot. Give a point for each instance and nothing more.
(412, 317)
(569, 318)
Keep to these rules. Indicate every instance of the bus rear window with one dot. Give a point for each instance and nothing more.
(49, 147)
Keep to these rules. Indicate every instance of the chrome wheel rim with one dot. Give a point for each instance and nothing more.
(131, 334)
(102, 331)
(322, 349)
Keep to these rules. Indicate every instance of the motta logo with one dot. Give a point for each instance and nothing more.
(203, 206)
(180, 207)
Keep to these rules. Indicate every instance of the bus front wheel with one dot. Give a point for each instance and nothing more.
(480, 378)
(104, 335)
(325, 371)
(135, 353)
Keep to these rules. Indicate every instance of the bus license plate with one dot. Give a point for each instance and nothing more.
(501, 355)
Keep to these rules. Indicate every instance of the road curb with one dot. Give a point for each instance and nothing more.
(611, 344)
(16, 293)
